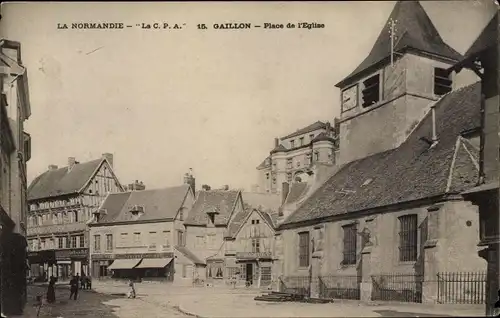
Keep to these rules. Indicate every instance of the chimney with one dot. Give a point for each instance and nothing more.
(109, 158)
(71, 162)
(52, 167)
(285, 188)
(276, 142)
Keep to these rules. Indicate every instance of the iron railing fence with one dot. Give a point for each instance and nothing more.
(461, 288)
(340, 287)
(298, 285)
(397, 287)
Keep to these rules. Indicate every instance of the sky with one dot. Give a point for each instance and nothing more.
(164, 101)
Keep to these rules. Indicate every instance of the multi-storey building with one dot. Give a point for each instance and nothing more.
(141, 234)
(392, 218)
(206, 224)
(61, 202)
(296, 156)
(15, 151)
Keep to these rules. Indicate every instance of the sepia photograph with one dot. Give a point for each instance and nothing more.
(247, 159)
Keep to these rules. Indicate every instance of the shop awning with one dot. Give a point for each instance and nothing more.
(124, 263)
(154, 262)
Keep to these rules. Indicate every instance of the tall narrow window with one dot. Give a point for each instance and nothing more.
(442, 81)
(60, 243)
(408, 231)
(181, 214)
(73, 241)
(292, 143)
(289, 163)
(301, 141)
(97, 243)
(109, 242)
(371, 91)
(166, 238)
(137, 238)
(152, 239)
(350, 238)
(255, 245)
(81, 241)
(180, 238)
(304, 249)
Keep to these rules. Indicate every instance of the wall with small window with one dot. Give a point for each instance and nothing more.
(400, 239)
(133, 238)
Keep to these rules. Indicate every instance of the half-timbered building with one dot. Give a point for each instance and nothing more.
(61, 203)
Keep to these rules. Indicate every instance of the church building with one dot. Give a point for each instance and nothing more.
(392, 217)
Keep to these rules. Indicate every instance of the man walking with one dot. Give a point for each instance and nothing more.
(73, 287)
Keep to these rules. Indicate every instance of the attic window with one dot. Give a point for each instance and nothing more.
(371, 91)
(442, 81)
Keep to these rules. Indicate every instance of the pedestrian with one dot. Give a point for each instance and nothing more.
(51, 292)
(131, 292)
(73, 287)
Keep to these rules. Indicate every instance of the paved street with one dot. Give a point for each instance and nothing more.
(94, 304)
(227, 302)
(165, 300)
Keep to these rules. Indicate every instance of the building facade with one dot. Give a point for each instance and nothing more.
(15, 151)
(61, 203)
(392, 217)
(141, 234)
(248, 244)
(295, 156)
(206, 225)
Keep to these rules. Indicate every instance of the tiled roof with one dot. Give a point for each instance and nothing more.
(209, 201)
(241, 217)
(305, 130)
(157, 203)
(411, 172)
(189, 255)
(61, 181)
(487, 38)
(414, 29)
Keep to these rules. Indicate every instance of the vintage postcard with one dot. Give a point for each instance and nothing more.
(249, 159)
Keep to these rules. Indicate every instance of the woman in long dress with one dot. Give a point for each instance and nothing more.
(51, 291)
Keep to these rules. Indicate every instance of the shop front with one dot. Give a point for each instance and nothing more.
(61, 264)
(255, 268)
(133, 266)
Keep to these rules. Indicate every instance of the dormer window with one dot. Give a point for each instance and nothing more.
(371, 91)
(442, 81)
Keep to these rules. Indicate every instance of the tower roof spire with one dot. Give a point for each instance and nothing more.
(414, 31)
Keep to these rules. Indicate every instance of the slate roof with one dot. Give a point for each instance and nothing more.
(208, 201)
(297, 190)
(487, 38)
(311, 127)
(61, 181)
(322, 137)
(263, 164)
(189, 255)
(411, 172)
(158, 204)
(414, 29)
(265, 200)
(279, 148)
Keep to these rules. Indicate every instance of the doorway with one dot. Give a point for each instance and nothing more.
(249, 274)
